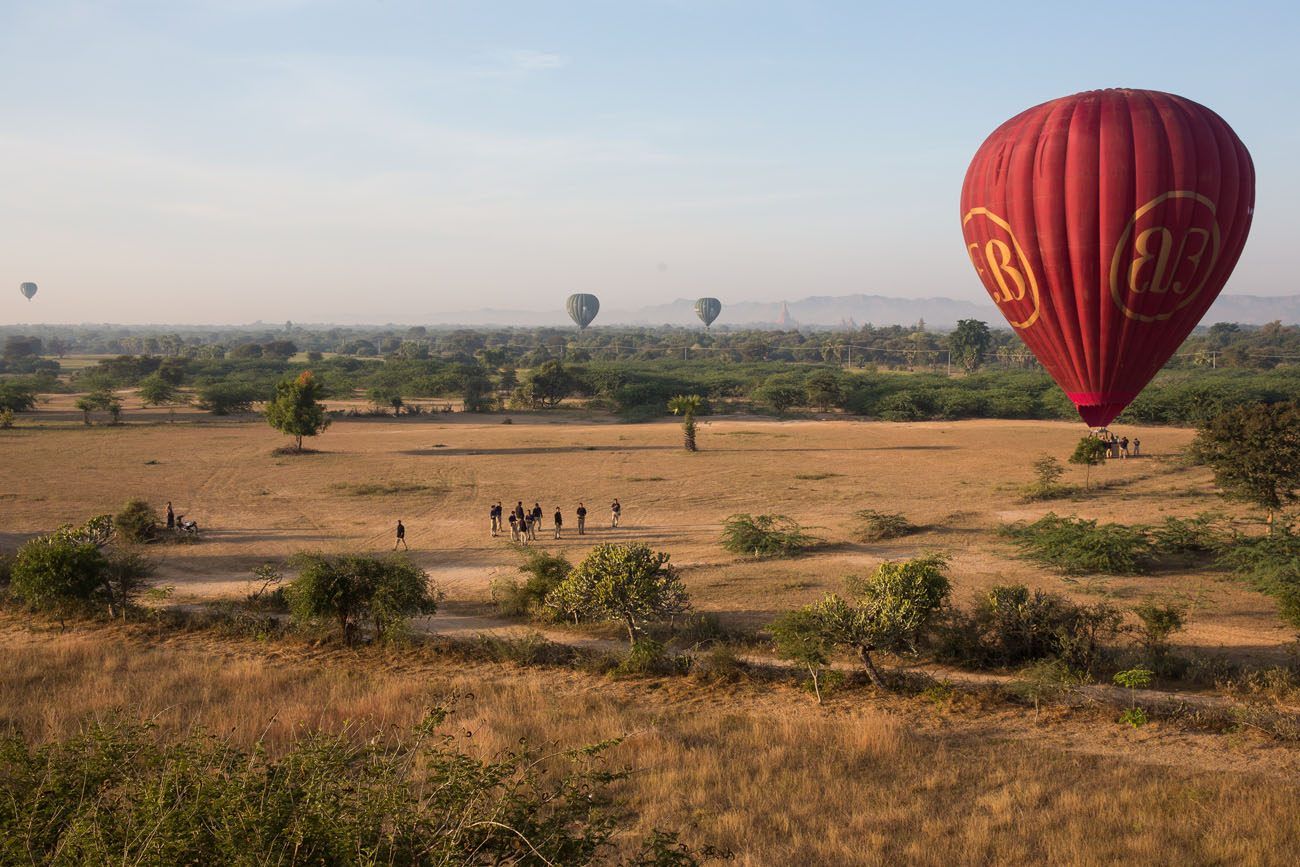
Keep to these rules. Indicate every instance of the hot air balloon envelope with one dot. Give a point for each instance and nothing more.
(1103, 225)
(582, 308)
(28, 290)
(708, 309)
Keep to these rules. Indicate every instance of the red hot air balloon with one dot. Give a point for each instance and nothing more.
(1104, 225)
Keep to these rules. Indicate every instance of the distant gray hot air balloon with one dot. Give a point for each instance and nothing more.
(582, 308)
(28, 290)
(708, 309)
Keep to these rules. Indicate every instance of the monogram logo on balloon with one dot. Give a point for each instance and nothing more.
(1165, 256)
(1002, 266)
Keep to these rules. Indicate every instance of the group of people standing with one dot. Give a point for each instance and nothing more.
(1118, 447)
(525, 523)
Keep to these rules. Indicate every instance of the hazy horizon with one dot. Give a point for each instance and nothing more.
(228, 161)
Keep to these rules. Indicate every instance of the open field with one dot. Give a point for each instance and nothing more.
(959, 480)
(755, 768)
(752, 766)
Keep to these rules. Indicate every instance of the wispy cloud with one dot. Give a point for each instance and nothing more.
(529, 60)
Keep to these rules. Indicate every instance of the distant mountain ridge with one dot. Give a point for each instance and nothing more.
(834, 311)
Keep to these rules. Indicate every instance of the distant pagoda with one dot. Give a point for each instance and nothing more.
(785, 321)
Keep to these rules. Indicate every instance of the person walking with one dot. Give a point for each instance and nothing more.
(514, 527)
(537, 515)
(171, 516)
(559, 521)
(531, 522)
(401, 537)
(582, 519)
(616, 512)
(494, 515)
(519, 513)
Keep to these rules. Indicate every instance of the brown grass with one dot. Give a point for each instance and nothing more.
(759, 770)
(958, 480)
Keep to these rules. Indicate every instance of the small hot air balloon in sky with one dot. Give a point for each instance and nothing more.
(1104, 225)
(708, 309)
(28, 290)
(582, 308)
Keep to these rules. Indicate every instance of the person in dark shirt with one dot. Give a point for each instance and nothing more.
(582, 519)
(559, 521)
(171, 516)
(537, 514)
(514, 528)
(1123, 447)
(494, 514)
(401, 537)
(616, 512)
(1137, 447)
(519, 511)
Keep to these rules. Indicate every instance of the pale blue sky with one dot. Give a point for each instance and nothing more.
(377, 160)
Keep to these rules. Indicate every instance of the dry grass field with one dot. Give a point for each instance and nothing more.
(960, 481)
(755, 767)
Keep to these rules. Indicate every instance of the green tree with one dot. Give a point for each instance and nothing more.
(548, 384)
(136, 522)
(686, 405)
(969, 342)
(1088, 453)
(780, 393)
(100, 400)
(824, 389)
(1254, 451)
(225, 398)
(385, 397)
(51, 573)
(295, 409)
(355, 591)
(888, 611)
(627, 583)
(156, 391)
(801, 636)
(16, 398)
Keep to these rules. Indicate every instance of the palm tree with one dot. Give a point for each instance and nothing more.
(686, 406)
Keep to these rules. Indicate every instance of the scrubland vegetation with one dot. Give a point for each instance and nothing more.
(658, 727)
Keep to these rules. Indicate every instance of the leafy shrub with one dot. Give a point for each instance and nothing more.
(765, 536)
(56, 574)
(1271, 564)
(527, 598)
(719, 664)
(801, 637)
(875, 525)
(1011, 625)
(227, 398)
(627, 583)
(136, 522)
(1047, 484)
(116, 794)
(1188, 536)
(648, 658)
(1077, 546)
(355, 591)
(888, 611)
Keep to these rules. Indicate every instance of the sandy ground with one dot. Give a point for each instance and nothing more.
(960, 480)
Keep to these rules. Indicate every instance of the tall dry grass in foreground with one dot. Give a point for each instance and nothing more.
(760, 771)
